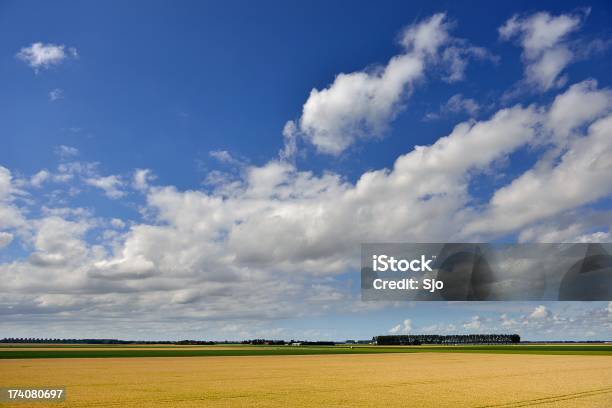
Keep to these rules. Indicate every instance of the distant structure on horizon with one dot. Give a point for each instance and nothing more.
(416, 339)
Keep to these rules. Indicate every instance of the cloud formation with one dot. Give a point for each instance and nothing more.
(546, 51)
(141, 179)
(456, 104)
(402, 328)
(567, 178)
(474, 324)
(110, 184)
(273, 240)
(56, 94)
(5, 239)
(43, 56)
(360, 105)
(589, 320)
(11, 216)
(270, 241)
(64, 151)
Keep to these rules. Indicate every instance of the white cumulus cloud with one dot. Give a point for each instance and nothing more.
(403, 328)
(42, 56)
(546, 51)
(474, 324)
(565, 178)
(110, 184)
(39, 178)
(5, 239)
(540, 312)
(141, 179)
(361, 104)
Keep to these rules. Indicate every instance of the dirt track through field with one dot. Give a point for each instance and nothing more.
(390, 380)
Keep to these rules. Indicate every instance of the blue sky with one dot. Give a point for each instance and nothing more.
(172, 162)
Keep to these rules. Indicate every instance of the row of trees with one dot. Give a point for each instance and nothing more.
(63, 341)
(194, 342)
(391, 340)
(265, 342)
(181, 342)
(98, 341)
(283, 342)
(416, 339)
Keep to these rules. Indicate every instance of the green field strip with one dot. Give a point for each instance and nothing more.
(76, 352)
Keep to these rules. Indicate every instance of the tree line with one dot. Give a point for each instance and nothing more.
(283, 342)
(416, 339)
(99, 341)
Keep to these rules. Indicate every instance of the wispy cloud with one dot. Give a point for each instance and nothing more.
(456, 104)
(110, 184)
(56, 94)
(65, 152)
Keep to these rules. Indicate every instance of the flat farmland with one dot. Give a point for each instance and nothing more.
(106, 351)
(354, 380)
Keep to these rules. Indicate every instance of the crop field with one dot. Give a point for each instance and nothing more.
(19, 351)
(427, 379)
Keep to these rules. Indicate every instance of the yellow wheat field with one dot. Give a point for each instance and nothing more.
(374, 380)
